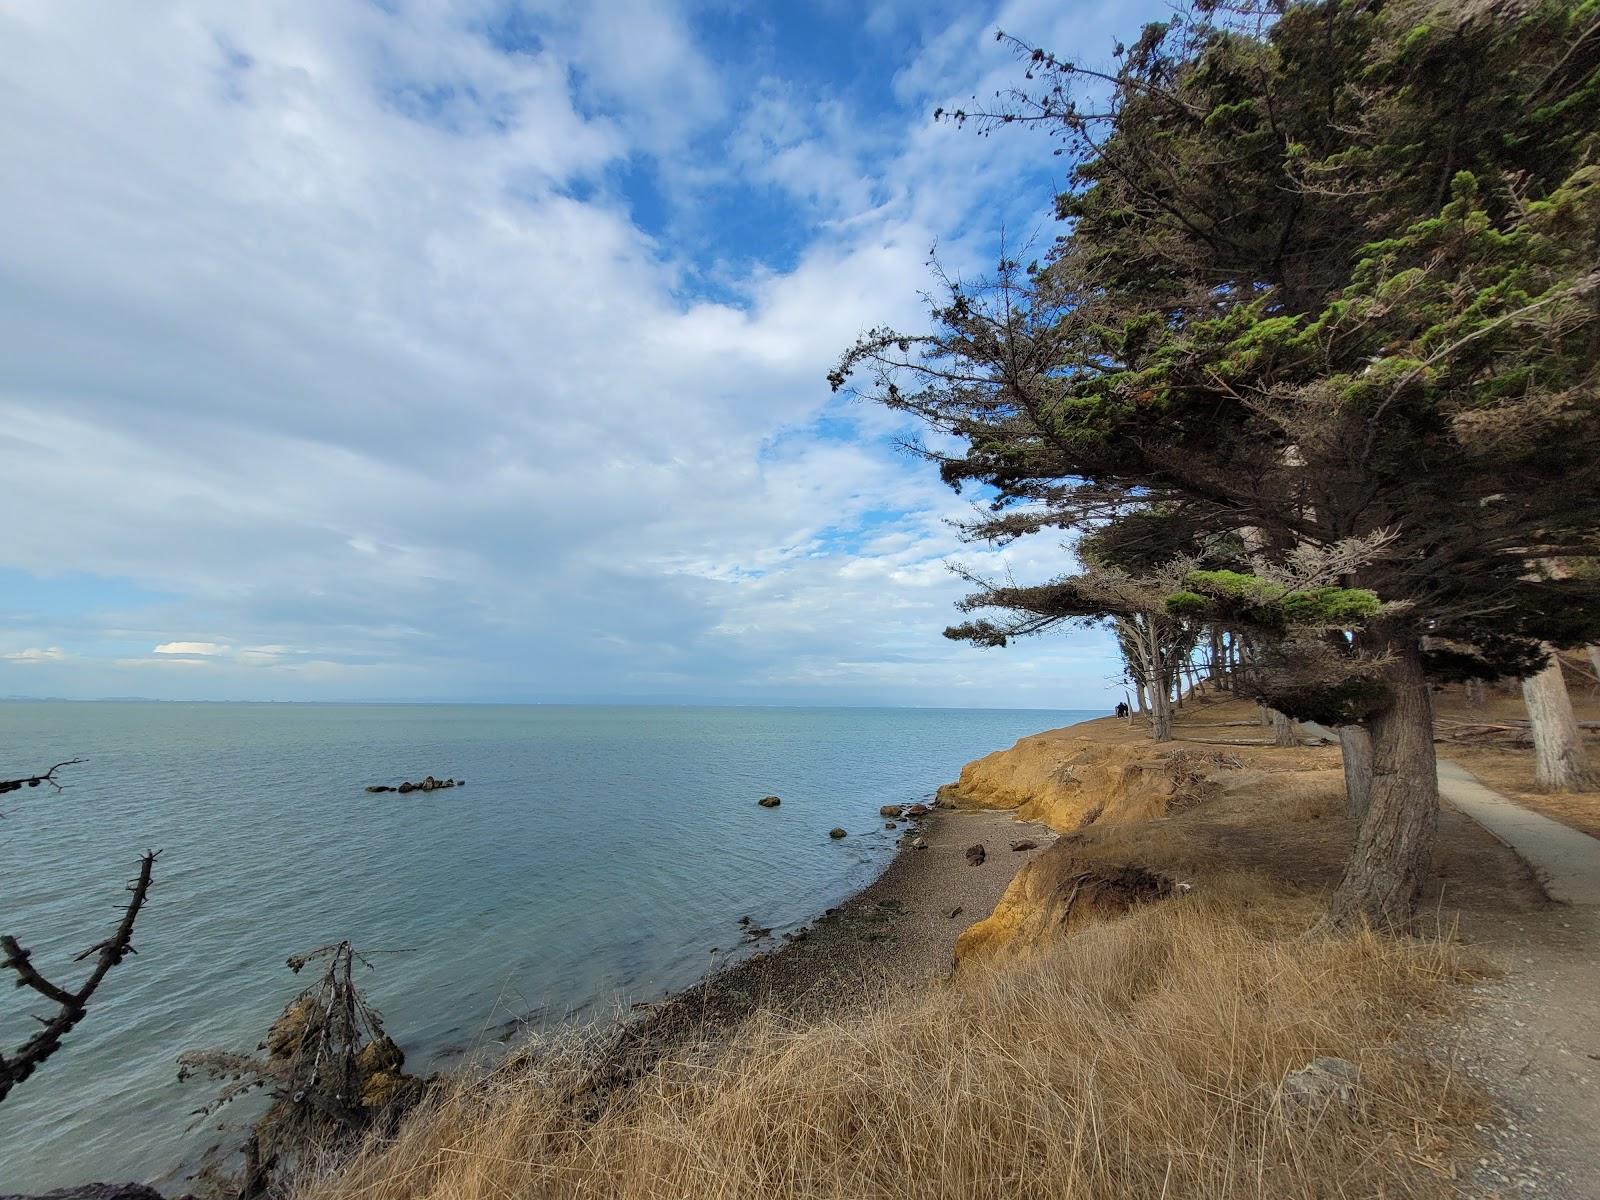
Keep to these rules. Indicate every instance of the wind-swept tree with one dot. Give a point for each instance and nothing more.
(1330, 278)
(1155, 642)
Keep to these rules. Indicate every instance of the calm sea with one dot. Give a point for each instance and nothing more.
(595, 853)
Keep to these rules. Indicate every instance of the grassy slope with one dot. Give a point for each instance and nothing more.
(1140, 1057)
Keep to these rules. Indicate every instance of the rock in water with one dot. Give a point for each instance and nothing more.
(406, 788)
(836, 832)
(769, 802)
(890, 825)
(917, 810)
(380, 787)
(1025, 844)
(976, 855)
(891, 810)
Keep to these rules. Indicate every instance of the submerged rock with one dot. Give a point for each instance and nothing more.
(430, 784)
(890, 825)
(769, 802)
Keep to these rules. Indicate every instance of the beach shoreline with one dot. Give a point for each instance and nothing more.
(894, 936)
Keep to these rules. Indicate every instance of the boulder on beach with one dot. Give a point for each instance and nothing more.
(836, 832)
(919, 844)
(891, 810)
(976, 854)
(769, 802)
(1025, 844)
(916, 810)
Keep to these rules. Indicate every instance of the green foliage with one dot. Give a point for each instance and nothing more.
(1239, 599)
(1330, 275)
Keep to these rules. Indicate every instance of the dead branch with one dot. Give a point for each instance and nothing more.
(71, 1005)
(12, 785)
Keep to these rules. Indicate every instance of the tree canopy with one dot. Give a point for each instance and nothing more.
(1328, 287)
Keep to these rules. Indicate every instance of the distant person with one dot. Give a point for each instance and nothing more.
(1122, 709)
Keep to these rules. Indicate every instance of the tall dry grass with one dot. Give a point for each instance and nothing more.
(1140, 1058)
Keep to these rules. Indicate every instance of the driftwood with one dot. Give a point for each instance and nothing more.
(19, 1064)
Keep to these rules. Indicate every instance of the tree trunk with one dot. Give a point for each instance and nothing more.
(1284, 732)
(1476, 694)
(1356, 747)
(1161, 721)
(1594, 661)
(1559, 761)
(1394, 846)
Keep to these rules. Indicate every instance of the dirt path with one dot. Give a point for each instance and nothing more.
(1533, 1038)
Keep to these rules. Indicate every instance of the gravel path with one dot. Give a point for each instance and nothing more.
(1533, 1037)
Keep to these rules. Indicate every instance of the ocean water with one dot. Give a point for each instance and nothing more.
(596, 853)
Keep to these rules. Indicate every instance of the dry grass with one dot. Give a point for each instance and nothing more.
(1140, 1058)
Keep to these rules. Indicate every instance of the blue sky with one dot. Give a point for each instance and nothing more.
(475, 349)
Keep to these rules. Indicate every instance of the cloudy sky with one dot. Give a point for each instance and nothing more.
(475, 350)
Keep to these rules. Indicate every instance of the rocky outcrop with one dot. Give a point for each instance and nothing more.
(1055, 894)
(429, 784)
(1061, 778)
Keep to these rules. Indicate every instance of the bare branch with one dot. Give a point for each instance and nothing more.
(72, 1005)
(13, 785)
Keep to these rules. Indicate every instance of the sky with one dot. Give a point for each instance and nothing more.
(475, 349)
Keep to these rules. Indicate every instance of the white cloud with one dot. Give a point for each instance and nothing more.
(311, 337)
(35, 654)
